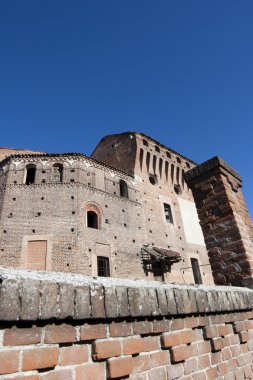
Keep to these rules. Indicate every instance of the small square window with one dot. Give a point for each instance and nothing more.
(168, 213)
(103, 266)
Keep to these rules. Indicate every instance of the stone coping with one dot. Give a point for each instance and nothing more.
(208, 165)
(33, 295)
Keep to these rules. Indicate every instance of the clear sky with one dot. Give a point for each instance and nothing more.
(180, 71)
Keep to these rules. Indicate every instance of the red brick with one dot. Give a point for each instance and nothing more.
(120, 367)
(216, 358)
(232, 364)
(179, 353)
(160, 358)
(124, 366)
(249, 357)
(225, 341)
(73, 355)
(229, 376)
(133, 346)
(120, 329)
(137, 345)
(92, 332)
(157, 373)
(244, 348)
(171, 340)
(142, 327)
(234, 339)
(241, 361)
(142, 363)
(250, 345)
(225, 330)
(210, 332)
(222, 368)
(175, 371)
(188, 336)
(177, 324)
(239, 374)
(249, 325)
(226, 354)
(37, 358)
(235, 350)
(191, 322)
(152, 343)
(248, 372)
(217, 344)
(190, 365)
(204, 321)
(204, 361)
(16, 337)
(161, 325)
(60, 334)
(239, 326)
(9, 361)
(138, 376)
(243, 336)
(204, 347)
(61, 374)
(94, 371)
(212, 374)
(106, 349)
(198, 376)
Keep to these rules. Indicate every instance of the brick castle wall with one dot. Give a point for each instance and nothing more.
(70, 327)
(225, 221)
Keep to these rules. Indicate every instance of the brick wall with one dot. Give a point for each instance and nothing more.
(5, 152)
(71, 327)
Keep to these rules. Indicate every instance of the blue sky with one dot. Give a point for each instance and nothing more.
(180, 71)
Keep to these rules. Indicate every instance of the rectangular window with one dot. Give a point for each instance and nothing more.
(196, 271)
(103, 266)
(158, 272)
(168, 213)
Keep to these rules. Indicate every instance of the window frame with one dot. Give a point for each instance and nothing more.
(101, 260)
(170, 220)
(27, 168)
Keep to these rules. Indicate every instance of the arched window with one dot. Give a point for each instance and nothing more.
(93, 216)
(30, 174)
(57, 173)
(123, 189)
(92, 219)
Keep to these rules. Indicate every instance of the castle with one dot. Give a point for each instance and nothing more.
(86, 231)
(124, 212)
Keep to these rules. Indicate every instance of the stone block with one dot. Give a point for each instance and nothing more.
(82, 302)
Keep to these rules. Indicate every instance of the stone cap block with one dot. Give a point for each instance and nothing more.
(208, 165)
(33, 295)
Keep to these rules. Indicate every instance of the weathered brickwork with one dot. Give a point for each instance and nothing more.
(108, 330)
(166, 167)
(157, 211)
(5, 152)
(227, 227)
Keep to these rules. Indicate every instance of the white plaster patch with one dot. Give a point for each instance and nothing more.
(192, 229)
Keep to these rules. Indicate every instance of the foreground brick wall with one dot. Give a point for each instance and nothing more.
(56, 327)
